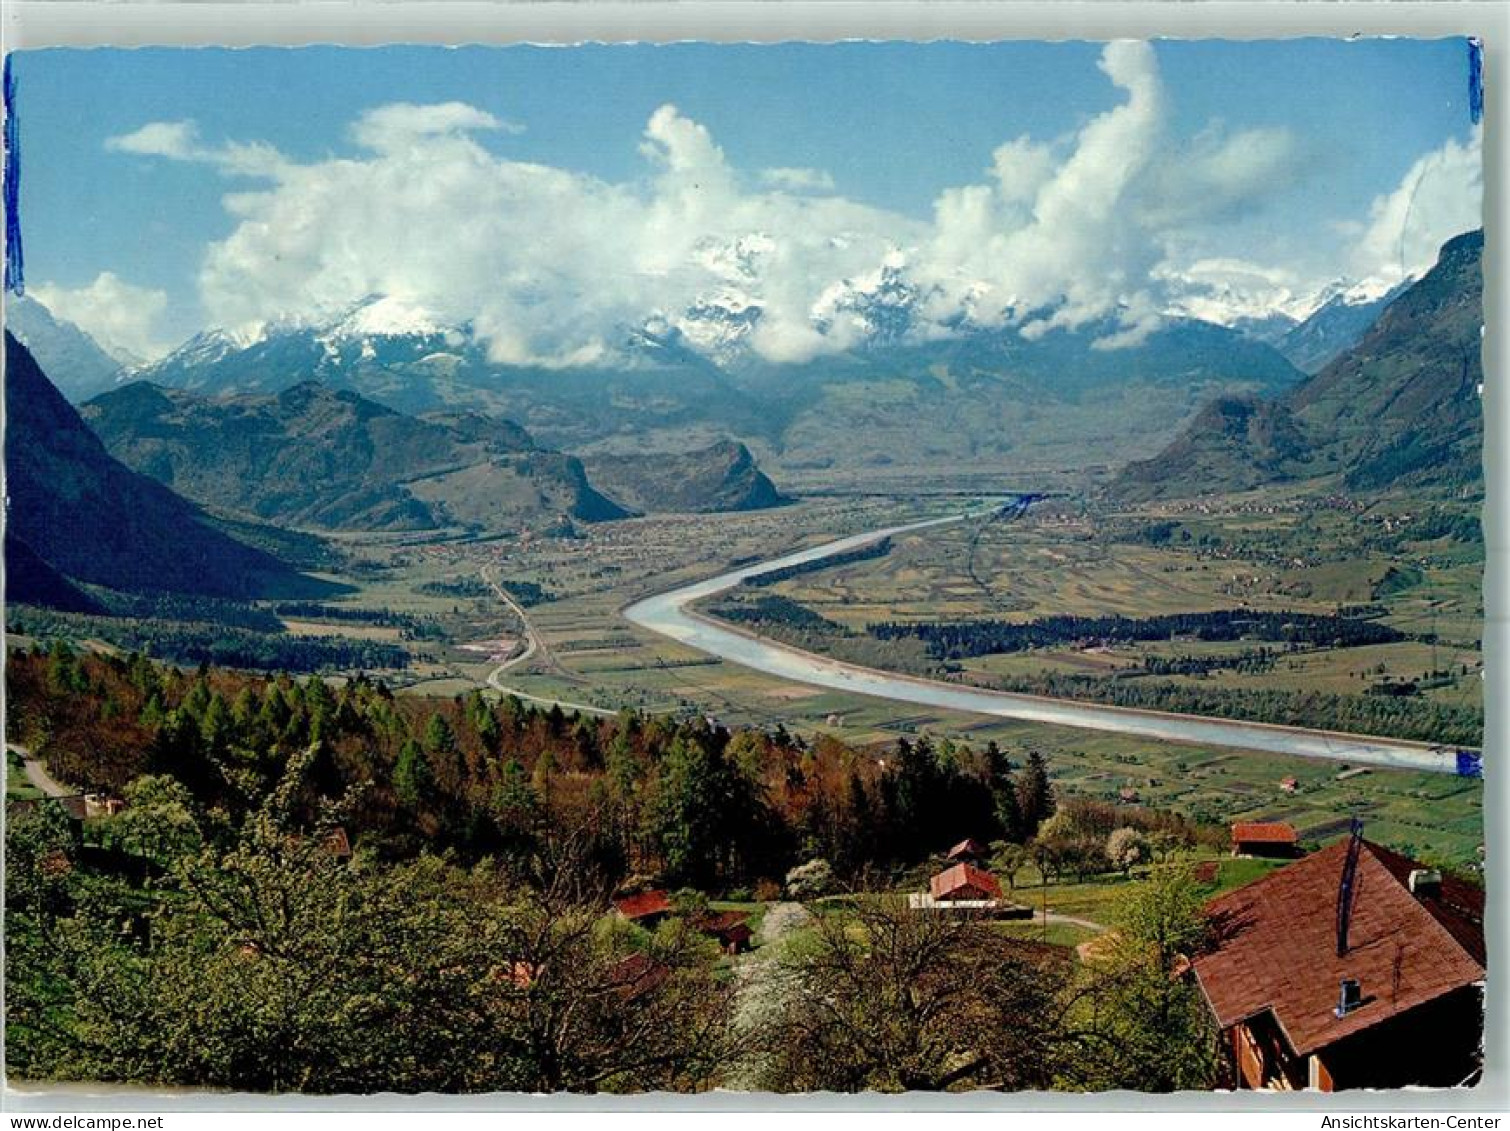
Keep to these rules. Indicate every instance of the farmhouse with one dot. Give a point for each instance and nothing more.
(1264, 838)
(963, 882)
(647, 908)
(970, 851)
(730, 928)
(1376, 982)
(637, 975)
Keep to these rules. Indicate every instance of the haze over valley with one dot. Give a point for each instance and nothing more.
(650, 515)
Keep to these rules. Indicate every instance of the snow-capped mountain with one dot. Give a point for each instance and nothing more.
(77, 364)
(877, 309)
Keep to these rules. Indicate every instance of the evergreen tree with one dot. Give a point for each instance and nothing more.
(1035, 795)
(412, 778)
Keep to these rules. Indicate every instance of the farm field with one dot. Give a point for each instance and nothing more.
(1049, 563)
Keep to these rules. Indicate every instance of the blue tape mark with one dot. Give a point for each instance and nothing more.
(15, 273)
(1475, 79)
(1470, 765)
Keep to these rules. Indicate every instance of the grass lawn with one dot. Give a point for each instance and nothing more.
(1096, 899)
(1058, 934)
(17, 787)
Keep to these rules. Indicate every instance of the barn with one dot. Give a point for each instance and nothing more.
(1265, 838)
(963, 882)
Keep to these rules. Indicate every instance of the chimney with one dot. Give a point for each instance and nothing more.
(1426, 883)
(1349, 997)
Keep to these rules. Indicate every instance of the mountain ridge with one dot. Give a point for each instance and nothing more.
(86, 517)
(313, 456)
(1398, 408)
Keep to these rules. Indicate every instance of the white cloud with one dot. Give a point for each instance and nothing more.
(797, 179)
(550, 265)
(177, 141)
(1440, 196)
(121, 317)
(403, 123)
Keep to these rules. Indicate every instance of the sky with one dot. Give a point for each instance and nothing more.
(551, 196)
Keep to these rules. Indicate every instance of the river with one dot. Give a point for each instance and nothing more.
(668, 614)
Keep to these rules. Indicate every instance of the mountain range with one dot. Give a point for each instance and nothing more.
(1341, 316)
(76, 515)
(1398, 409)
(324, 458)
(981, 397)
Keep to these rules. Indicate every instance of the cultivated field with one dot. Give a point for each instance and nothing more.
(1267, 553)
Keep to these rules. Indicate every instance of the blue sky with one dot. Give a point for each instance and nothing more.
(1319, 133)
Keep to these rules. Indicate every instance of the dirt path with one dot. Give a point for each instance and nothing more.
(37, 774)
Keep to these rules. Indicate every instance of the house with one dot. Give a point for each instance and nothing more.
(73, 808)
(647, 908)
(970, 850)
(102, 805)
(1289, 785)
(1264, 838)
(1383, 989)
(964, 883)
(336, 843)
(730, 928)
(637, 975)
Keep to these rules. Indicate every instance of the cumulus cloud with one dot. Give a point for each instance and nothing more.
(121, 317)
(1440, 196)
(551, 266)
(797, 179)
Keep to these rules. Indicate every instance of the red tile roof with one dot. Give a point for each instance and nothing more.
(1263, 832)
(951, 880)
(969, 847)
(1277, 946)
(644, 904)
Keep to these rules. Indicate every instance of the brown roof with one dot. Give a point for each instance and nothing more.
(1263, 832)
(968, 847)
(722, 922)
(638, 974)
(73, 805)
(1277, 946)
(643, 904)
(337, 843)
(950, 880)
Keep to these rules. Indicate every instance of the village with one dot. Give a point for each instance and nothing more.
(1347, 967)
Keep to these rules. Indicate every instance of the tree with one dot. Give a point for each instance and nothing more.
(1008, 860)
(412, 777)
(810, 880)
(1155, 1024)
(1035, 794)
(160, 821)
(1125, 848)
(892, 1000)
